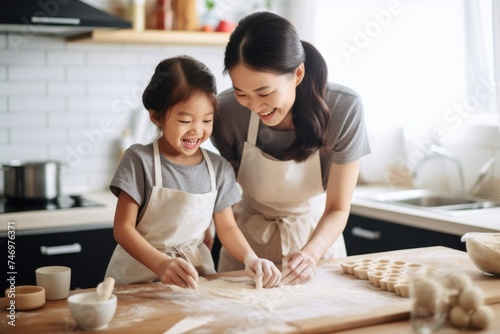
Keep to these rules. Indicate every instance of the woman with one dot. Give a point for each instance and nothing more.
(295, 142)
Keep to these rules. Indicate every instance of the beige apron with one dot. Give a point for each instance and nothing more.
(174, 223)
(281, 205)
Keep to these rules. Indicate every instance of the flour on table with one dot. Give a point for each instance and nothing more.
(316, 296)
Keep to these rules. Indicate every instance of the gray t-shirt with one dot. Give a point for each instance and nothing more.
(135, 176)
(346, 135)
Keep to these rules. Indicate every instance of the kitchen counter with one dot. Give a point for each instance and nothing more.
(486, 220)
(156, 308)
(458, 224)
(89, 217)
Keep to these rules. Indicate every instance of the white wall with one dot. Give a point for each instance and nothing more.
(71, 102)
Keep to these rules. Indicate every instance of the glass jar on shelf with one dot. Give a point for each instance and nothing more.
(162, 17)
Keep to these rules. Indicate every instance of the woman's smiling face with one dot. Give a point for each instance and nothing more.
(270, 95)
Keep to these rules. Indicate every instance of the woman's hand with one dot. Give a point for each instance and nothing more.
(178, 272)
(263, 272)
(297, 268)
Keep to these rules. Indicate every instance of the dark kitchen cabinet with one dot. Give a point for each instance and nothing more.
(365, 235)
(85, 250)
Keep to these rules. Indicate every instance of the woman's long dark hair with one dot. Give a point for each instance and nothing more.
(267, 42)
(175, 80)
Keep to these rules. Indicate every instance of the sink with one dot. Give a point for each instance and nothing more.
(435, 200)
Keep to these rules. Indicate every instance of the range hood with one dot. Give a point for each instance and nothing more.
(55, 18)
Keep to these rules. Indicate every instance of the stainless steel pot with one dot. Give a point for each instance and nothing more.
(32, 180)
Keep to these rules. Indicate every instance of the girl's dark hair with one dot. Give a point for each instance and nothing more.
(175, 80)
(267, 42)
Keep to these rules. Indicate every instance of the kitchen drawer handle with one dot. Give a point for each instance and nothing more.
(63, 249)
(365, 234)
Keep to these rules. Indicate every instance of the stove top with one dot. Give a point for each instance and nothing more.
(63, 202)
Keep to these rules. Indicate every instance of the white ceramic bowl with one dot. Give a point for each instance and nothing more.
(484, 251)
(25, 297)
(89, 313)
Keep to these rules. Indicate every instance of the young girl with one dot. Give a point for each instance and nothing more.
(169, 191)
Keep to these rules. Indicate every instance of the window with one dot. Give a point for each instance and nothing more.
(411, 61)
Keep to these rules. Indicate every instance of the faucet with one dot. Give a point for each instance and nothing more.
(483, 171)
(439, 151)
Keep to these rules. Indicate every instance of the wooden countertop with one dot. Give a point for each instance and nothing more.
(156, 308)
(402, 327)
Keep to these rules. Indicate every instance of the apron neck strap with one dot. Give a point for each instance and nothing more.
(253, 128)
(210, 167)
(157, 165)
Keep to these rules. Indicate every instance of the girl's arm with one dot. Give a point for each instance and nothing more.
(300, 267)
(260, 270)
(170, 271)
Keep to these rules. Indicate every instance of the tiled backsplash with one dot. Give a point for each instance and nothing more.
(72, 102)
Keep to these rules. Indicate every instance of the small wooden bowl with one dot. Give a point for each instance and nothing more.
(25, 297)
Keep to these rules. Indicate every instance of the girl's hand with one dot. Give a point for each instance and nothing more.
(263, 272)
(297, 268)
(178, 272)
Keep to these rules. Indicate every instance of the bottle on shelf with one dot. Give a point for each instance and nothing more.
(137, 13)
(163, 16)
(186, 16)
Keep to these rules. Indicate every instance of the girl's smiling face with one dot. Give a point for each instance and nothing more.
(269, 95)
(186, 126)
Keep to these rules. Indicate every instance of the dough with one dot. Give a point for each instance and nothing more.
(457, 282)
(471, 299)
(428, 293)
(482, 317)
(458, 317)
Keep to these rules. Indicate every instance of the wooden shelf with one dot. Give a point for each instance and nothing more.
(128, 36)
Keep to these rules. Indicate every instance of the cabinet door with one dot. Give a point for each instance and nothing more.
(86, 252)
(365, 235)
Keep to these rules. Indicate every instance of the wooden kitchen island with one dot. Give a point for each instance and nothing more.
(360, 308)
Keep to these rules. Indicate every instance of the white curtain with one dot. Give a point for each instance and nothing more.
(405, 58)
(496, 52)
(481, 75)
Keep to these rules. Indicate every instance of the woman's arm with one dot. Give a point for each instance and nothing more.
(234, 241)
(300, 267)
(170, 271)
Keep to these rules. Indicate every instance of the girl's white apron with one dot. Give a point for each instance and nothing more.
(281, 205)
(174, 223)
